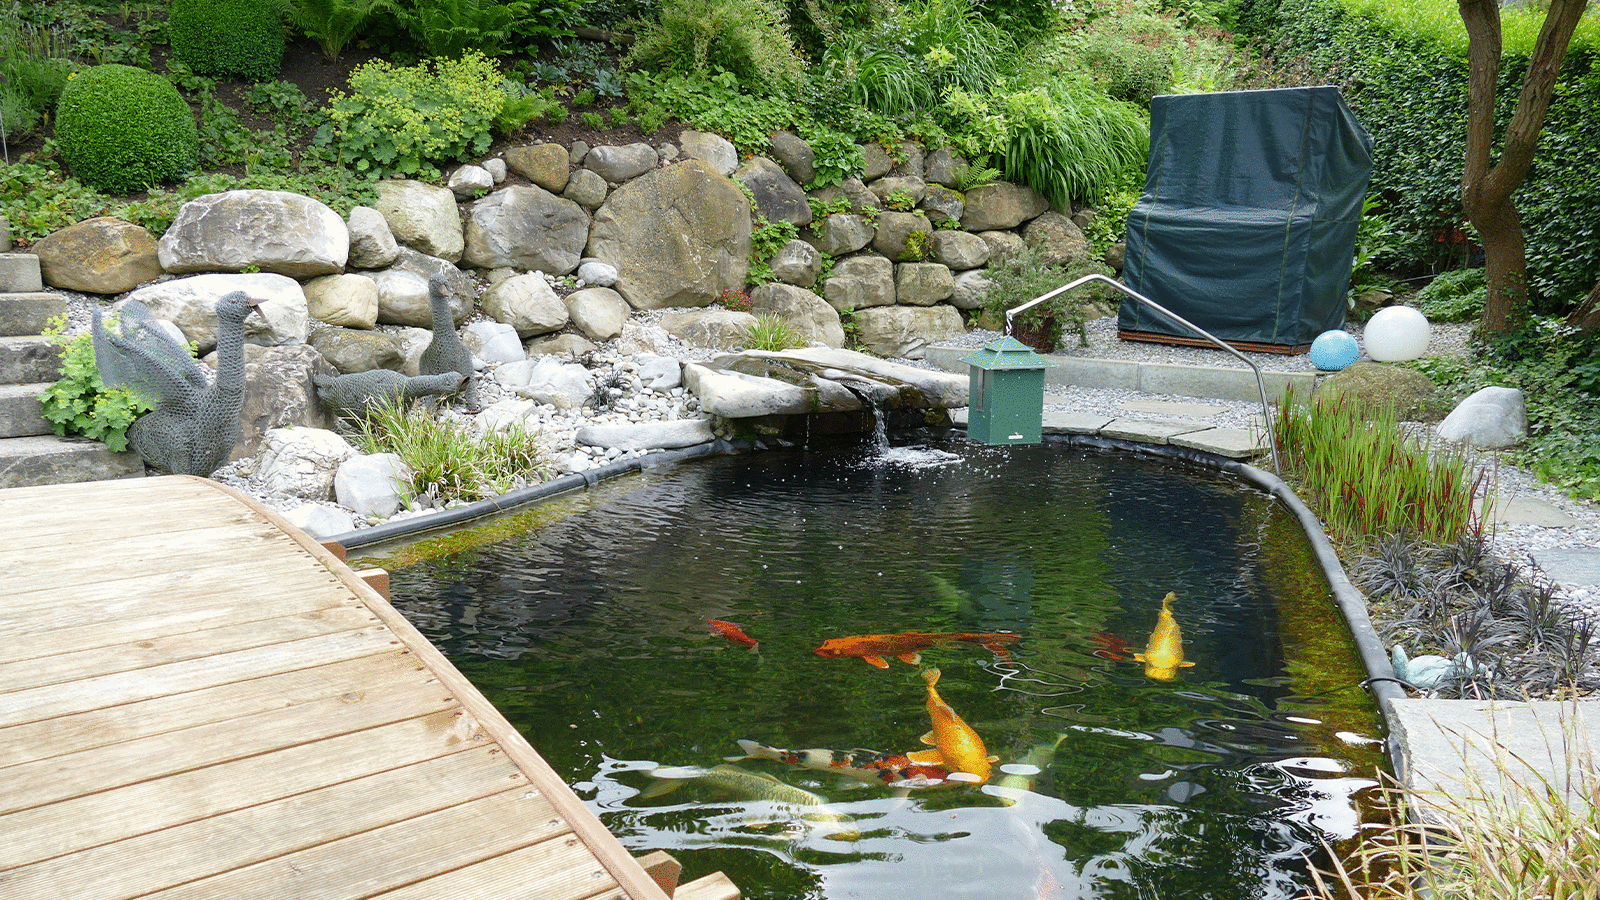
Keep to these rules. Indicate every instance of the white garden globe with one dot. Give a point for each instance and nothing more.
(1396, 334)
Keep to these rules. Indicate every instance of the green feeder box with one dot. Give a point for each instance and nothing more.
(1005, 397)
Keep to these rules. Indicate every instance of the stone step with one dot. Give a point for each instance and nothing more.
(29, 359)
(47, 459)
(27, 313)
(19, 272)
(21, 413)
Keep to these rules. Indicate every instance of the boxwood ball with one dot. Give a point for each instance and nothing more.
(1333, 350)
(1396, 334)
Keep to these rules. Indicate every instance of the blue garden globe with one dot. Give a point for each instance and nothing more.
(1333, 350)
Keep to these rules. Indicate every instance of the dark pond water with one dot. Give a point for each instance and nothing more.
(585, 622)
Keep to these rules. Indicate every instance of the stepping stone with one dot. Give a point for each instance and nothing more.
(1171, 408)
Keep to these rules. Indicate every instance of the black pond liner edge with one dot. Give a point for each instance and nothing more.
(1381, 682)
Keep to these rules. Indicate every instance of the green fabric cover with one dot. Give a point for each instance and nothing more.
(1247, 223)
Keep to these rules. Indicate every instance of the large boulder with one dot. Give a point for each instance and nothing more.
(271, 231)
(279, 393)
(103, 255)
(711, 329)
(191, 304)
(647, 435)
(624, 163)
(1057, 237)
(777, 197)
(893, 238)
(493, 342)
(679, 236)
(943, 206)
(526, 227)
(422, 216)
(350, 301)
(945, 167)
(372, 244)
(526, 303)
(712, 149)
(302, 462)
(1373, 386)
(353, 350)
(809, 314)
(906, 332)
(546, 165)
(840, 234)
(1493, 418)
(1000, 205)
(796, 157)
(373, 485)
(969, 289)
(858, 282)
(796, 262)
(922, 284)
(403, 290)
(960, 250)
(598, 312)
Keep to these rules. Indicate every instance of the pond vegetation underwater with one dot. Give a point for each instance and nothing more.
(586, 621)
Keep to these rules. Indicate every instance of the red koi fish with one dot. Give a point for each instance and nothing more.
(733, 633)
(1111, 646)
(863, 765)
(906, 647)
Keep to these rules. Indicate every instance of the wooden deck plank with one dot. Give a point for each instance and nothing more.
(239, 840)
(160, 650)
(18, 707)
(412, 715)
(511, 876)
(170, 725)
(416, 849)
(85, 822)
(176, 712)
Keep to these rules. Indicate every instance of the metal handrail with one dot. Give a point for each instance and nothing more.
(1261, 385)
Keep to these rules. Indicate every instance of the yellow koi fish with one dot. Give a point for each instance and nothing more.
(1163, 656)
(959, 748)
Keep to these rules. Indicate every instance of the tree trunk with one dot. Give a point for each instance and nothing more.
(1586, 318)
(1487, 188)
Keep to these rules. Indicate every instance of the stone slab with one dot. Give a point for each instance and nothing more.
(19, 273)
(1063, 422)
(1170, 408)
(1234, 443)
(1531, 511)
(1571, 565)
(1150, 431)
(1456, 746)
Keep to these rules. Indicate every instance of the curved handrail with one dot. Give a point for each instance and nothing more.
(1261, 384)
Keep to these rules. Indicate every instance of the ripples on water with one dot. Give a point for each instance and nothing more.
(590, 635)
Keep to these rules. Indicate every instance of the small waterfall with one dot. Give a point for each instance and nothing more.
(874, 401)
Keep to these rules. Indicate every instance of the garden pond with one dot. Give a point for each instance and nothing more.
(588, 622)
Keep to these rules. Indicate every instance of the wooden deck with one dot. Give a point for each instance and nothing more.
(198, 700)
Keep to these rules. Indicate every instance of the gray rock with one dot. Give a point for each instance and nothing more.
(403, 289)
(526, 227)
(679, 236)
(1057, 237)
(841, 234)
(422, 216)
(546, 165)
(945, 166)
(103, 255)
(563, 344)
(374, 485)
(797, 263)
(1116, 255)
(813, 380)
(796, 157)
(493, 342)
(659, 373)
(598, 313)
(1493, 418)
(527, 303)
(810, 315)
(597, 273)
(576, 152)
(970, 289)
(191, 304)
(943, 206)
(496, 168)
(586, 189)
(876, 162)
(910, 186)
(858, 282)
(319, 520)
(470, 181)
(279, 393)
(348, 300)
(713, 149)
(1371, 386)
(669, 435)
(302, 462)
(777, 197)
(562, 385)
(922, 284)
(1002, 244)
(711, 329)
(736, 395)
(960, 250)
(273, 231)
(619, 164)
(852, 191)
(906, 332)
(372, 244)
(352, 350)
(894, 231)
(1000, 205)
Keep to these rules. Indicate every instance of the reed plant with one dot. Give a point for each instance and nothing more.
(773, 333)
(1512, 831)
(447, 460)
(1368, 479)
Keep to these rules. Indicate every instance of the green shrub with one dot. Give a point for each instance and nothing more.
(747, 38)
(123, 129)
(227, 38)
(1454, 296)
(332, 23)
(1132, 57)
(79, 403)
(407, 119)
(449, 28)
(1028, 274)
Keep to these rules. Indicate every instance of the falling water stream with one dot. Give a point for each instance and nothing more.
(586, 623)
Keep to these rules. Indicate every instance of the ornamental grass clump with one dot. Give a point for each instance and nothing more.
(447, 460)
(1514, 831)
(1367, 479)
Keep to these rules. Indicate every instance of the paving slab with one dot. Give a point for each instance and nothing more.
(1172, 408)
(1464, 747)
(1233, 443)
(1150, 431)
(1570, 565)
(1060, 422)
(1529, 511)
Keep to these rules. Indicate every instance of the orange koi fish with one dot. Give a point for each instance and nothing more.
(733, 633)
(1111, 646)
(862, 765)
(959, 748)
(906, 647)
(1163, 656)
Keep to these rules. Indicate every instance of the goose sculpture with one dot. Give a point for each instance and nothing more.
(446, 353)
(193, 419)
(360, 394)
